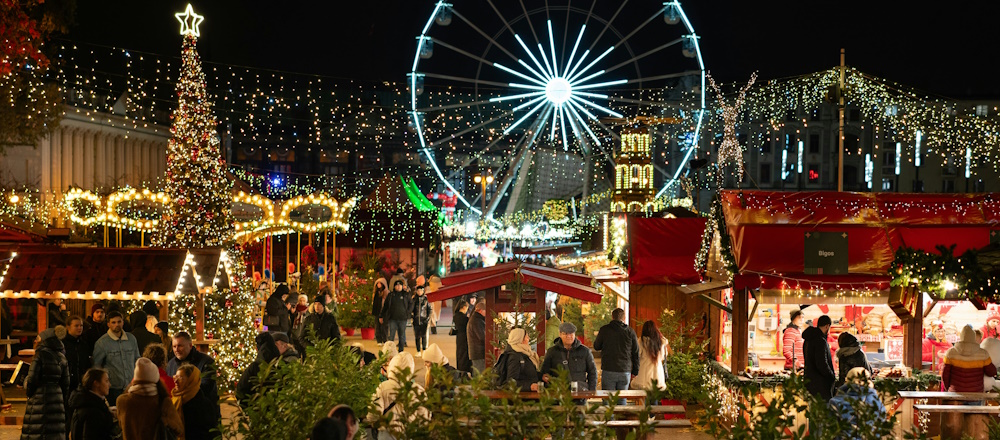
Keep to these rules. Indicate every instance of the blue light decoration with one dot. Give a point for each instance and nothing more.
(784, 164)
(276, 181)
(899, 157)
(968, 162)
(869, 169)
(798, 161)
(916, 151)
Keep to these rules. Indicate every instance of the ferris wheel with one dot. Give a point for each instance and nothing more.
(499, 79)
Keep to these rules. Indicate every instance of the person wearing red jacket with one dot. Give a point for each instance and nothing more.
(965, 364)
(992, 327)
(934, 346)
(791, 341)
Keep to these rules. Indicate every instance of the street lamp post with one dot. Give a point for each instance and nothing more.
(483, 182)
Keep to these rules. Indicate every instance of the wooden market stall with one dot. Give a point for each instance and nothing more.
(536, 280)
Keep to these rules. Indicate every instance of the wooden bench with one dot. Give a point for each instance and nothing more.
(962, 409)
(962, 421)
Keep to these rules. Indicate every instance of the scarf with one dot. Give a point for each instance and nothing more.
(142, 388)
(181, 395)
(516, 339)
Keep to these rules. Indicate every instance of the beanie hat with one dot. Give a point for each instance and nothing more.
(151, 308)
(145, 371)
(420, 281)
(319, 299)
(96, 307)
(163, 326)
(47, 333)
(434, 355)
(389, 349)
(60, 331)
(847, 340)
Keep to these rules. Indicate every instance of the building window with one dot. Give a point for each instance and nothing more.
(982, 110)
(813, 173)
(979, 186)
(814, 143)
(855, 115)
(948, 186)
(765, 173)
(889, 154)
(852, 144)
(887, 184)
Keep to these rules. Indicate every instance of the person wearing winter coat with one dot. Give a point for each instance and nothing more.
(186, 353)
(857, 388)
(965, 364)
(570, 354)
(57, 312)
(476, 334)
(992, 347)
(276, 316)
(78, 353)
(652, 356)
(934, 346)
(460, 320)
(378, 298)
(145, 408)
(421, 316)
(819, 370)
(619, 349)
(434, 356)
(791, 342)
(92, 418)
(384, 398)
(195, 409)
(267, 351)
(157, 354)
(143, 337)
(47, 386)
(396, 310)
(95, 326)
(286, 351)
(519, 362)
(325, 324)
(849, 356)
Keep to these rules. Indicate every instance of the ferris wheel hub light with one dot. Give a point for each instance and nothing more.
(558, 90)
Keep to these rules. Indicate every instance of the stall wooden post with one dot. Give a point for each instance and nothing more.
(491, 300)
(741, 323)
(540, 322)
(43, 317)
(199, 326)
(913, 337)
(715, 326)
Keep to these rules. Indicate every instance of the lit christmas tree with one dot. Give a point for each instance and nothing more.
(200, 218)
(196, 172)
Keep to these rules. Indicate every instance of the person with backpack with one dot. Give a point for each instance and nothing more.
(518, 363)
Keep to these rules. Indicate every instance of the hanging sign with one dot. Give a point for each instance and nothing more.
(825, 253)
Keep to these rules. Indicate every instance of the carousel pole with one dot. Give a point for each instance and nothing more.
(326, 240)
(298, 252)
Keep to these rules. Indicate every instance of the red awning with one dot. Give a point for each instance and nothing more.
(663, 250)
(767, 231)
(555, 280)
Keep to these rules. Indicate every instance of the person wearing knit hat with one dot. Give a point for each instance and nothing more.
(325, 324)
(420, 313)
(162, 329)
(519, 363)
(95, 325)
(849, 356)
(992, 327)
(389, 350)
(146, 407)
(435, 358)
(396, 311)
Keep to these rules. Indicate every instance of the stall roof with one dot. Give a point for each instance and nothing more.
(118, 273)
(767, 232)
(555, 249)
(560, 281)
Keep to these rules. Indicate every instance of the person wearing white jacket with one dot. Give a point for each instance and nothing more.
(992, 346)
(652, 359)
(384, 398)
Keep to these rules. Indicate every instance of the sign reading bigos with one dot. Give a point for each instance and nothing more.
(825, 253)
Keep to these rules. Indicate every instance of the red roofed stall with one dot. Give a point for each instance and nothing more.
(538, 280)
(767, 232)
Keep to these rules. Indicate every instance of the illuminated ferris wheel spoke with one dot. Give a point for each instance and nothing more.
(607, 24)
(529, 103)
(552, 127)
(512, 71)
(572, 109)
(545, 59)
(562, 126)
(596, 85)
(526, 86)
(552, 47)
(572, 77)
(588, 78)
(463, 52)
(644, 55)
(532, 55)
(523, 118)
(509, 97)
(470, 129)
(533, 71)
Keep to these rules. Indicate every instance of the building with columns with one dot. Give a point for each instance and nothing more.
(88, 150)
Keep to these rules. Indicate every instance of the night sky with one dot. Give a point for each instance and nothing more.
(943, 48)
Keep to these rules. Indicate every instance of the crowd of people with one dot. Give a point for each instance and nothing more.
(95, 379)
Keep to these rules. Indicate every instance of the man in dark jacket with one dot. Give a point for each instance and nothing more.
(619, 349)
(819, 364)
(570, 354)
(186, 353)
(461, 323)
(396, 311)
(476, 334)
(849, 356)
(143, 337)
(276, 313)
(285, 348)
(324, 323)
(95, 326)
(267, 351)
(78, 355)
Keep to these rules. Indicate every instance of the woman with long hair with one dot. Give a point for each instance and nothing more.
(145, 410)
(652, 359)
(157, 354)
(46, 386)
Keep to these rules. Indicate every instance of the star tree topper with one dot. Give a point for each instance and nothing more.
(189, 21)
